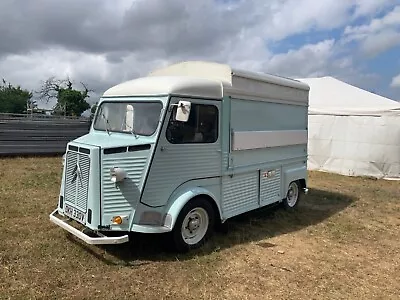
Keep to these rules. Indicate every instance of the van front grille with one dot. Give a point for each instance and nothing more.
(77, 179)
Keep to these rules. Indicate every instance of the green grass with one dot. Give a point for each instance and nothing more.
(342, 243)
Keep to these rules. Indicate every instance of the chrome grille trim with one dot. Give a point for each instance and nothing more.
(77, 181)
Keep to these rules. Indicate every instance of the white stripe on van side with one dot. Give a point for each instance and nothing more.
(243, 140)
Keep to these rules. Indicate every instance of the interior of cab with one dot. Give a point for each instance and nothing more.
(201, 127)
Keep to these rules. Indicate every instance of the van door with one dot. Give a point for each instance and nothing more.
(186, 150)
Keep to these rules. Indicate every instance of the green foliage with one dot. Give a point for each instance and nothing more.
(70, 102)
(14, 99)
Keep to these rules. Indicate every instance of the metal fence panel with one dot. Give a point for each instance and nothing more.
(31, 135)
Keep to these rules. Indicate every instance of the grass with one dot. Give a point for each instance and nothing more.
(342, 243)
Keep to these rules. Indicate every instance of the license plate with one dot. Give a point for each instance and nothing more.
(75, 214)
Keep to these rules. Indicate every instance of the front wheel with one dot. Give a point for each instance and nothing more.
(194, 225)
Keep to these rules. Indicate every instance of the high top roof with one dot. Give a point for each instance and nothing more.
(165, 85)
(222, 73)
(207, 79)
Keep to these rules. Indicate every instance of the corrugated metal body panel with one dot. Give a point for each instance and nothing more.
(270, 186)
(185, 162)
(123, 197)
(77, 179)
(225, 160)
(239, 193)
(25, 135)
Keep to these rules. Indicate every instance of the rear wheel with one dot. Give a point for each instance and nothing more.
(293, 195)
(194, 225)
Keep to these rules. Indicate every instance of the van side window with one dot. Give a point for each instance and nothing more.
(201, 127)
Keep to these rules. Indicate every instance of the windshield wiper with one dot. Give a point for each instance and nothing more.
(108, 126)
(132, 131)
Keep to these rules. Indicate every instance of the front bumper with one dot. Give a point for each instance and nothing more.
(100, 240)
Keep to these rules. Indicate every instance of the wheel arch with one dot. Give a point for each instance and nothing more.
(303, 183)
(185, 197)
(291, 174)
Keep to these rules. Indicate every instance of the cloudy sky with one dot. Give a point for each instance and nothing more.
(104, 42)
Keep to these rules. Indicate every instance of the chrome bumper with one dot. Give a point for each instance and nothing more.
(101, 239)
(305, 190)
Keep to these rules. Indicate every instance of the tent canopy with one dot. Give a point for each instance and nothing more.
(352, 131)
(329, 95)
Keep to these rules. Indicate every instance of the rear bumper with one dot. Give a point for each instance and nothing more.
(305, 190)
(100, 240)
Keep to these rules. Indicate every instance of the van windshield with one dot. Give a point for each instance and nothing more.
(139, 118)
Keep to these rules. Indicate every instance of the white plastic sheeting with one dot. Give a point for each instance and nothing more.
(351, 131)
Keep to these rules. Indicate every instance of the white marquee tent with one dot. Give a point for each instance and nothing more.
(351, 131)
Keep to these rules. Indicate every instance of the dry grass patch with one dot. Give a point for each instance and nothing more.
(342, 243)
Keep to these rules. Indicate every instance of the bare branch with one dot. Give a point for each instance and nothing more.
(84, 86)
(87, 91)
(49, 89)
(69, 83)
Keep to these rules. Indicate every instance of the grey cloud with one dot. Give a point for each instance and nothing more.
(33, 25)
(116, 57)
(375, 44)
(178, 27)
(170, 27)
(103, 42)
(292, 63)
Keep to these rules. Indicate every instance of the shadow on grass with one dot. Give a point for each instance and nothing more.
(253, 226)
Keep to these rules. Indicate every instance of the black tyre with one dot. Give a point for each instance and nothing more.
(194, 225)
(293, 195)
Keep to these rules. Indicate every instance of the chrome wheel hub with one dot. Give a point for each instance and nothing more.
(195, 225)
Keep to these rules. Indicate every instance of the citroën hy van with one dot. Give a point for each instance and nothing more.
(183, 149)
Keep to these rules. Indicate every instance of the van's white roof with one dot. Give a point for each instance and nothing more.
(165, 85)
(205, 79)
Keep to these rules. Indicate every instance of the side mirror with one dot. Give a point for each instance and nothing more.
(183, 111)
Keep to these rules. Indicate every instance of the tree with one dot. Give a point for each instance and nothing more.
(70, 102)
(13, 99)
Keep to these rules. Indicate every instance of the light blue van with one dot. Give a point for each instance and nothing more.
(184, 149)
